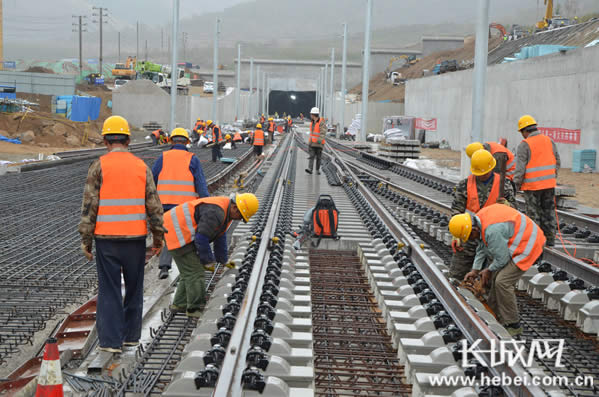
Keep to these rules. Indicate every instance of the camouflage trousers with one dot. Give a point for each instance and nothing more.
(540, 207)
(461, 261)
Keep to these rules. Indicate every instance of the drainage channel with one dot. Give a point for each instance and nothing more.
(353, 353)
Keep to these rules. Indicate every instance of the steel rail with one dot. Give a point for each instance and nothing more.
(230, 378)
(581, 221)
(472, 326)
(573, 266)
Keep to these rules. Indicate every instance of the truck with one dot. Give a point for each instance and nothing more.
(147, 66)
(183, 82)
(126, 71)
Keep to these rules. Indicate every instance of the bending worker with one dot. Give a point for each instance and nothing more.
(118, 197)
(217, 139)
(191, 227)
(258, 140)
(537, 162)
(318, 131)
(230, 140)
(514, 242)
(179, 178)
(479, 190)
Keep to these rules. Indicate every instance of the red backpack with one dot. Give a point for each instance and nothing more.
(325, 218)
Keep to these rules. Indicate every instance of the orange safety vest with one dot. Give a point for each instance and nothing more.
(175, 181)
(122, 204)
(289, 122)
(271, 126)
(262, 120)
(220, 135)
(258, 138)
(473, 203)
(315, 132)
(156, 133)
(526, 244)
(541, 167)
(510, 166)
(181, 225)
(237, 137)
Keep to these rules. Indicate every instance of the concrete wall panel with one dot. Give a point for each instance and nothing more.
(39, 83)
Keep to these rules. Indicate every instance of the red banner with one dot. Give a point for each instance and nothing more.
(424, 124)
(561, 135)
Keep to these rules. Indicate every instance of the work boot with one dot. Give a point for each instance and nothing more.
(163, 273)
(514, 329)
(317, 172)
(177, 309)
(309, 171)
(130, 345)
(194, 313)
(550, 243)
(110, 350)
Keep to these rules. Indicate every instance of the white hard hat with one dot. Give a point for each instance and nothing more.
(314, 111)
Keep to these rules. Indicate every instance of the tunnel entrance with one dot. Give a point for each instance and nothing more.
(291, 102)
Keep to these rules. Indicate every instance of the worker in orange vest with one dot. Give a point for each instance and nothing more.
(318, 131)
(118, 198)
(179, 178)
(514, 241)
(237, 137)
(479, 190)
(499, 152)
(258, 140)
(289, 124)
(537, 163)
(262, 119)
(191, 228)
(216, 140)
(271, 130)
(159, 137)
(229, 139)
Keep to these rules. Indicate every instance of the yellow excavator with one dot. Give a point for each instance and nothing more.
(544, 24)
(410, 60)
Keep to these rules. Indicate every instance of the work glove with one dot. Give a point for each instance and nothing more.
(230, 264)
(485, 277)
(157, 245)
(456, 245)
(471, 275)
(209, 267)
(503, 201)
(87, 251)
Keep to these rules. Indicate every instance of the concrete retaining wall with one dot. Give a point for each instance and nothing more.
(559, 90)
(39, 83)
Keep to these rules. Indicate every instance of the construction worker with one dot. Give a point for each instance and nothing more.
(119, 195)
(191, 227)
(289, 124)
(216, 141)
(479, 190)
(301, 116)
(179, 178)
(159, 137)
(271, 130)
(198, 128)
(537, 162)
(237, 137)
(318, 130)
(514, 241)
(229, 139)
(258, 140)
(262, 119)
(500, 153)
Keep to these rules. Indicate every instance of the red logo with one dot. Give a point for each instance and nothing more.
(424, 124)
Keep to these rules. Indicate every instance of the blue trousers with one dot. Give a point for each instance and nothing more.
(216, 152)
(119, 321)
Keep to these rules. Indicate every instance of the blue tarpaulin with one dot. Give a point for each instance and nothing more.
(9, 140)
(537, 51)
(85, 108)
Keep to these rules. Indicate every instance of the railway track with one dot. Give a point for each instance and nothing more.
(42, 269)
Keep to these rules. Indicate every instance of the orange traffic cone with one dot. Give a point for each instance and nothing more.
(49, 381)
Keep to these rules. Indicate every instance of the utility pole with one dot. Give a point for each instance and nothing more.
(266, 90)
(1, 36)
(251, 88)
(101, 22)
(119, 40)
(80, 29)
(146, 50)
(332, 105)
(258, 92)
(480, 72)
(316, 100)
(325, 105)
(238, 88)
(343, 82)
(185, 35)
(137, 43)
(215, 70)
(264, 109)
(174, 72)
(365, 73)
(161, 42)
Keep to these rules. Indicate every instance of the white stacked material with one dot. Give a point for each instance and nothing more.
(396, 135)
(355, 125)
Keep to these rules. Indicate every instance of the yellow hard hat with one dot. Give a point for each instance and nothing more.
(228, 136)
(482, 162)
(526, 121)
(199, 119)
(460, 226)
(208, 122)
(270, 119)
(248, 204)
(179, 132)
(258, 125)
(473, 147)
(115, 125)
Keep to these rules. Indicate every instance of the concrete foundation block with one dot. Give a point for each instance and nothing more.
(554, 292)
(588, 318)
(538, 283)
(434, 362)
(571, 303)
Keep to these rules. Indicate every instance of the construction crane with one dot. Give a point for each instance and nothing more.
(548, 15)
